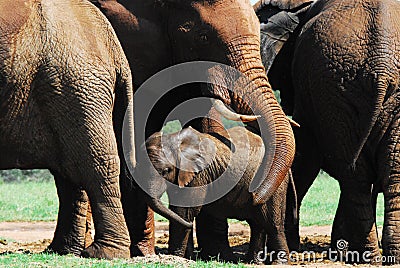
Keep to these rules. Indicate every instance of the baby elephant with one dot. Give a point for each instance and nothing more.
(190, 163)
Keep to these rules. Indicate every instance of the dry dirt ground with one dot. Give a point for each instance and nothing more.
(33, 237)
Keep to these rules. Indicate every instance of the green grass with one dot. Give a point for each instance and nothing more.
(320, 203)
(51, 260)
(37, 201)
(28, 201)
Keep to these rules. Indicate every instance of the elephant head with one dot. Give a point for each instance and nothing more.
(176, 158)
(222, 31)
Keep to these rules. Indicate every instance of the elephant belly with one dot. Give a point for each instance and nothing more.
(233, 207)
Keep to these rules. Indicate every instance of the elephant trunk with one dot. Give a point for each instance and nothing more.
(255, 96)
(159, 208)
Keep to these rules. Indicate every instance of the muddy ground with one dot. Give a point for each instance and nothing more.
(34, 237)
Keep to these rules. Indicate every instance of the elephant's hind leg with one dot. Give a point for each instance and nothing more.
(111, 235)
(91, 159)
(212, 237)
(355, 223)
(390, 168)
(69, 236)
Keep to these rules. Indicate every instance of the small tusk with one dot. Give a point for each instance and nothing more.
(228, 114)
(293, 123)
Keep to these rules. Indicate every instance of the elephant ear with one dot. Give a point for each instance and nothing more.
(280, 24)
(195, 152)
(278, 21)
(264, 5)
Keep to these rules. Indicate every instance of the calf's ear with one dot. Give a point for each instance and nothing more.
(195, 152)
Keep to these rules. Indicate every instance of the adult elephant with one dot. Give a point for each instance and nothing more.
(337, 67)
(157, 34)
(62, 69)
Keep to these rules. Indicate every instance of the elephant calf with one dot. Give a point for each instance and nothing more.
(193, 159)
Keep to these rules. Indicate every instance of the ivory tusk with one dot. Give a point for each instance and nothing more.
(293, 123)
(228, 114)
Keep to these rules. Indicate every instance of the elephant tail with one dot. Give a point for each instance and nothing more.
(382, 86)
(123, 117)
(292, 194)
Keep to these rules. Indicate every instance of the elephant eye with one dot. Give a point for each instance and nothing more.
(165, 171)
(203, 38)
(186, 27)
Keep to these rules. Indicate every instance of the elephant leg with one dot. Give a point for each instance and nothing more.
(305, 169)
(89, 225)
(140, 220)
(257, 243)
(212, 237)
(354, 224)
(274, 218)
(212, 232)
(69, 236)
(390, 166)
(111, 236)
(99, 173)
(180, 241)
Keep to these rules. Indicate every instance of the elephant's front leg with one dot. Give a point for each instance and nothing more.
(257, 243)
(180, 241)
(354, 225)
(69, 236)
(274, 218)
(212, 232)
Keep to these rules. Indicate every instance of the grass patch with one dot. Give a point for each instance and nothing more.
(321, 201)
(52, 260)
(37, 201)
(28, 201)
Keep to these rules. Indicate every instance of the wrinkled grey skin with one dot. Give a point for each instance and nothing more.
(338, 73)
(61, 71)
(156, 34)
(198, 166)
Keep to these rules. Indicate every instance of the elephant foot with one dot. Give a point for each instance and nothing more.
(256, 260)
(143, 248)
(280, 262)
(63, 249)
(276, 259)
(98, 251)
(391, 256)
(225, 255)
(353, 253)
(293, 238)
(280, 258)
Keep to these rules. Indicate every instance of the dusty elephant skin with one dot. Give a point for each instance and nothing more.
(61, 70)
(339, 76)
(194, 164)
(157, 34)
